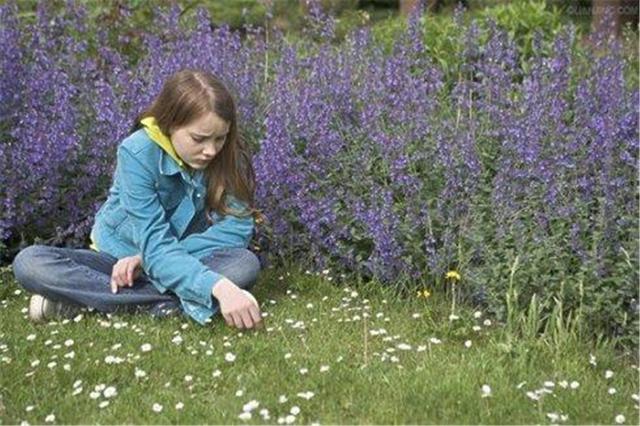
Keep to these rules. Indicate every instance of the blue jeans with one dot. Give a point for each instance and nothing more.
(82, 277)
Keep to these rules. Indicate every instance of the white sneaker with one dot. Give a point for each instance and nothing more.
(42, 309)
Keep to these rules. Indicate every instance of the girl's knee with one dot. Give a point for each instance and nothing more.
(27, 266)
(248, 269)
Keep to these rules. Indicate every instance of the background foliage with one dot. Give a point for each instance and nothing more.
(398, 151)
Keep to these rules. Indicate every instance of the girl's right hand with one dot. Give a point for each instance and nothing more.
(236, 307)
(125, 271)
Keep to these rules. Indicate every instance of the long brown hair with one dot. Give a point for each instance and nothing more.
(187, 95)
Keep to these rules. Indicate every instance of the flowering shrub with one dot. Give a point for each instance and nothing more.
(375, 162)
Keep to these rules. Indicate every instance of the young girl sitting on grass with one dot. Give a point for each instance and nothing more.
(173, 233)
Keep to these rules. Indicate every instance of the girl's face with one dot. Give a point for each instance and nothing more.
(198, 142)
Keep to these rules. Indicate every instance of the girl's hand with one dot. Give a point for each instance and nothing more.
(237, 308)
(125, 271)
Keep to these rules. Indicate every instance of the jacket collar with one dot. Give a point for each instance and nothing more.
(170, 163)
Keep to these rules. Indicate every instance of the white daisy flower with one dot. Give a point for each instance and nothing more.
(179, 406)
(467, 343)
(608, 374)
(156, 407)
(533, 395)
(229, 357)
(620, 419)
(282, 399)
(110, 392)
(295, 410)
(306, 395)
(251, 405)
(145, 347)
(50, 418)
(244, 416)
(486, 391)
(264, 413)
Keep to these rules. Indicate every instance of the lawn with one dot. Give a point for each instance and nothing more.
(354, 353)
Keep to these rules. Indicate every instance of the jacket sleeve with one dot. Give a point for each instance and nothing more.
(229, 232)
(163, 257)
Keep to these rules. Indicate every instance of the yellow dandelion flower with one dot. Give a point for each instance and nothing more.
(454, 275)
(424, 293)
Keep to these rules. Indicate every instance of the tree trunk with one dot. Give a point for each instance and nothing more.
(406, 6)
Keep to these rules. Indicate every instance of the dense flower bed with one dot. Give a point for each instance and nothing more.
(518, 171)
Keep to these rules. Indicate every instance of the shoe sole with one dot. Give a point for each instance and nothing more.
(36, 308)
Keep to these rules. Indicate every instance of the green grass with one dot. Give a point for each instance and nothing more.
(428, 383)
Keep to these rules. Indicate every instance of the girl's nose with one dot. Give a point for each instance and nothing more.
(209, 150)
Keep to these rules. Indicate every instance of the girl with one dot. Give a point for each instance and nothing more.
(174, 230)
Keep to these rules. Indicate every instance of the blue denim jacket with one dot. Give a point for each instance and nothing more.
(156, 208)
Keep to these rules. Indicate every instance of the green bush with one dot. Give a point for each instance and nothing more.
(444, 45)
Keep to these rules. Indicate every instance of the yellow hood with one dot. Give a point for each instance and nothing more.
(156, 135)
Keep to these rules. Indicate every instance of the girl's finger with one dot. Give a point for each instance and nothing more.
(130, 274)
(254, 311)
(228, 319)
(237, 320)
(245, 316)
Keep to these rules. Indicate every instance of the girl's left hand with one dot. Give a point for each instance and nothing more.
(125, 271)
